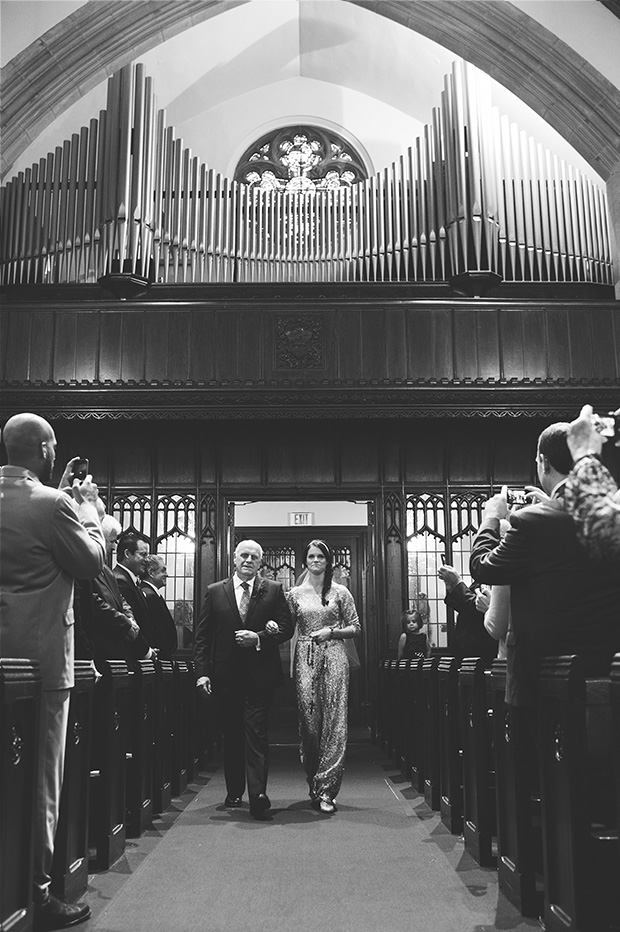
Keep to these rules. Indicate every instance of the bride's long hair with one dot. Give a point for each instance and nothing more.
(329, 568)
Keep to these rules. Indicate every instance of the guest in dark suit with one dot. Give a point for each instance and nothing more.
(131, 556)
(115, 632)
(163, 629)
(470, 638)
(243, 620)
(562, 601)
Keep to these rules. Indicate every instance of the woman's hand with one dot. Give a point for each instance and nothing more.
(323, 634)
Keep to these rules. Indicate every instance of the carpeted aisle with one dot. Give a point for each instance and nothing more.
(384, 861)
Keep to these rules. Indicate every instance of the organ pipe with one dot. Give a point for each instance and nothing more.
(472, 193)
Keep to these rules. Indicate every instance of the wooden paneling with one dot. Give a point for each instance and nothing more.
(359, 458)
(303, 454)
(110, 350)
(132, 459)
(132, 346)
(66, 346)
(424, 444)
(513, 450)
(238, 343)
(176, 458)
(468, 452)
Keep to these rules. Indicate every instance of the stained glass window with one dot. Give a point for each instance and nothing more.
(300, 159)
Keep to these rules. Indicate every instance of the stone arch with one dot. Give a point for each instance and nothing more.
(498, 38)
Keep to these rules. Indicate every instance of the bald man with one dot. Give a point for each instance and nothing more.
(48, 538)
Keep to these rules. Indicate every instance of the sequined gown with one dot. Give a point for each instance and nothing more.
(322, 684)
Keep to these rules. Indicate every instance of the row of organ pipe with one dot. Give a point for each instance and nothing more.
(473, 193)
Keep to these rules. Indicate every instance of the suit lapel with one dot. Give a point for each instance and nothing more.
(229, 589)
(257, 592)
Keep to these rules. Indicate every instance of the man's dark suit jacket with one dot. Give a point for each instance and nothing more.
(110, 622)
(134, 596)
(561, 601)
(470, 637)
(216, 653)
(163, 629)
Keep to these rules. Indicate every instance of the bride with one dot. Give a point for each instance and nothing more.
(325, 614)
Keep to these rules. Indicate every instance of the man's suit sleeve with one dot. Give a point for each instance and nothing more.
(106, 614)
(500, 562)
(281, 615)
(460, 598)
(77, 543)
(204, 637)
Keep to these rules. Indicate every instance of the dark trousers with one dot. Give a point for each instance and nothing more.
(244, 710)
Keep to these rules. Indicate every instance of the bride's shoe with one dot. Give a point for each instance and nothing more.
(326, 805)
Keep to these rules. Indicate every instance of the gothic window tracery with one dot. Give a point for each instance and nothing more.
(300, 160)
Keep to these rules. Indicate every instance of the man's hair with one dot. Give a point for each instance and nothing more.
(128, 542)
(110, 525)
(552, 444)
(153, 562)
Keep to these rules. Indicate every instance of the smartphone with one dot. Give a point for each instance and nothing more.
(80, 469)
(443, 558)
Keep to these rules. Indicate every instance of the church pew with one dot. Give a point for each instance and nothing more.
(382, 703)
(419, 724)
(580, 843)
(139, 754)
(393, 712)
(20, 691)
(70, 865)
(479, 822)
(450, 746)
(519, 842)
(615, 736)
(194, 750)
(407, 723)
(107, 833)
(179, 735)
(430, 711)
(401, 714)
(162, 736)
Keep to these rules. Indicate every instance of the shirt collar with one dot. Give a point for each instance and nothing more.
(135, 579)
(149, 583)
(238, 582)
(18, 472)
(558, 490)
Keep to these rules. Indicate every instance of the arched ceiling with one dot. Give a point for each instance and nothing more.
(78, 54)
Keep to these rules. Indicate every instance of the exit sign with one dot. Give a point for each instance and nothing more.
(301, 518)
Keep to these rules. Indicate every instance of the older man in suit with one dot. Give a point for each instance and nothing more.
(562, 601)
(243, 620)
(48, 538)
(163, 629)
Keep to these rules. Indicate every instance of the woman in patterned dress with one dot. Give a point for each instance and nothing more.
(325, 614)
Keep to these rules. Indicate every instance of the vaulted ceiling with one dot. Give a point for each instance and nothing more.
(227, 69)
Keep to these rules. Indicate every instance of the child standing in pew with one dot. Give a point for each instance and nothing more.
(413, 642)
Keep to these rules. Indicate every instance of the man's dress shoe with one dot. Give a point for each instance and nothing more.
(233, 802)
(259, 806)
(54, 914)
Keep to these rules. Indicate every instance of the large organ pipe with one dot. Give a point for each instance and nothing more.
(473, 192)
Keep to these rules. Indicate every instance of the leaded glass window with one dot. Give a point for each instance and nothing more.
(300, 159)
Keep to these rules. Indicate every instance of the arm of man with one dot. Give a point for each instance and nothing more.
(110, 617)
(460, 598)
(203, 643)
(77, 541)
(282, 616)
(499, 561)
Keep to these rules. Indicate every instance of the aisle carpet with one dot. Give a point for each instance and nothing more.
(384, 861)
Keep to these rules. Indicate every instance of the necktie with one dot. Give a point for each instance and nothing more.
(245, 600)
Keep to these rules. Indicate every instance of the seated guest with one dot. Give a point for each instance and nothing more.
(163, 629)
(469, 638)
(413, 642)
(561, 601)
(592, 497)
(115, 633)
(131, 555)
